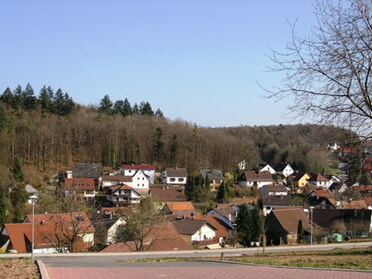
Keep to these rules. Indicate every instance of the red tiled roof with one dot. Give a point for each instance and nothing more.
(47, 222)
(165, 237)
(323, 193)
(19, 234)
(174, 206)
(167, 194)
(368, 201)
(355, 204)
(318, 177)
(221, 229)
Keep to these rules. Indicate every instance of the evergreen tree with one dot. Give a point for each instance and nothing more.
(300, 232)
(223, 193)
(17, 171)
(127, 109)
(18, 194)
(3, 207)
(159, 113)
(105, 106)
(29, 98)
(63, 104)
(244, 225)
(257, 223)
(46, 97)
(158, 145)
(4, 118)
(118, 107)
(8, 97)
(135, 109)
(207, 183)
(173, 148)
(18, 97)
(145, 109)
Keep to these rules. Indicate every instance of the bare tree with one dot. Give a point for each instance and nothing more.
(329, 72)
(143, 222)
(65, 231)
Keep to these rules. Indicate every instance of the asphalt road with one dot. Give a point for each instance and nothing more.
(117, 259)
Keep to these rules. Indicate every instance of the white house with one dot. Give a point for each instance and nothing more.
(268, 168)
(284, 169)
(140, 181)
(121, 195)
(251, 178)
(112, 229)
(195, 230)
(132, 169)
(319, 180)
(112, 180)
(174, 176)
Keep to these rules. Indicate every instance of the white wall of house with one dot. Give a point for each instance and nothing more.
(204, 233)
(140, 181)
(287, 171)
(174, 180)
(50, 250)
(87, 237)
(263, 183)
(269, 169)
(111, 232)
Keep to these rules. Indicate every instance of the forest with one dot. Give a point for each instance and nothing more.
(49, 133)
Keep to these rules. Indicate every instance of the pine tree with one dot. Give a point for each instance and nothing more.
(257, 223)
(105, 106)
(244, 225)
(300, 232)
(223, 193)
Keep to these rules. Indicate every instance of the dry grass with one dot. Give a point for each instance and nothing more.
(18, 269)
(360, 259)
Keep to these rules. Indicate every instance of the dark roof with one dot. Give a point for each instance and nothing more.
(189, 226)
(289, 218)
(260, 176)
(87, 170)
(282, 200)
(300, 175)
(79, 184)
(280, 167)
(167, 194)
(176, 172)
(227, 212)
(212, 174)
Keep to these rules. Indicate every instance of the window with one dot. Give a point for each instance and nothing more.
(79, 218)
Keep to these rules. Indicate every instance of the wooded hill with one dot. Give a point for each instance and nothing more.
(50, 134)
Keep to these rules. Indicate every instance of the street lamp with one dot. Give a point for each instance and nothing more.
(33, 199)
(311, 225)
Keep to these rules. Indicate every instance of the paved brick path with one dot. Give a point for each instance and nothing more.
(209, 271)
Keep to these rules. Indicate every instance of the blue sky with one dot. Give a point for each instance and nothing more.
(196, 60)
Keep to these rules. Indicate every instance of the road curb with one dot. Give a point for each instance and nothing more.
(42, 270)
